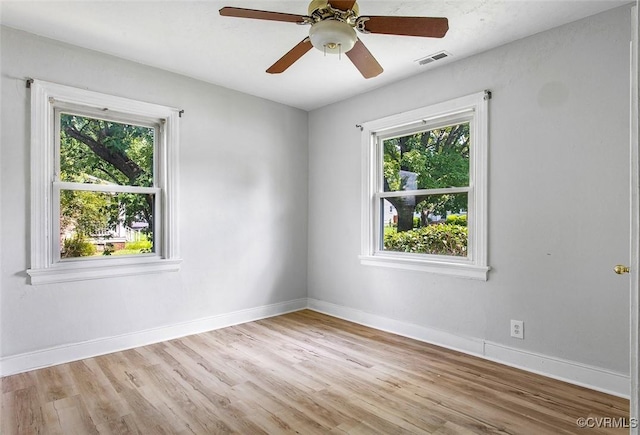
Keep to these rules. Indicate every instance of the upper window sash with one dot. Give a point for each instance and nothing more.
(62, 107)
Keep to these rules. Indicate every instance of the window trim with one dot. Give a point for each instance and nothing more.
(475, 265)
(46, 97)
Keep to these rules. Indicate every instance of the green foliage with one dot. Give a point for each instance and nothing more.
(143, 246)
(438, 157)
(433, 239)
(109, 151)
(77, 246)
(97, 151)
(454, 219)
(442, 204)
(432, 159)
(86, 212)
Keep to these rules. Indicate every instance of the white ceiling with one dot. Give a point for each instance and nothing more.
(191, 38)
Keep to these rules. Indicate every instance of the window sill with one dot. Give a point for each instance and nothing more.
(450, 268)
(85, 270)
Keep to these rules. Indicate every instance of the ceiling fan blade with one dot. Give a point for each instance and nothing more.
(261, 15)
(430, 27)
(292, 55)
(364, 60)
(343, 5)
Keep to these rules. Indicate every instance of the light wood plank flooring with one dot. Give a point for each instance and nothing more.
(301, 373)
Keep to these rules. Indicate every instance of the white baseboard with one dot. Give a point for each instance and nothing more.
(570, 371)
(76, 351)
(573, 372)
(595, 378)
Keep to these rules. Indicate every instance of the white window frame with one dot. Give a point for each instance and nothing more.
(46, 266)
(471, 108)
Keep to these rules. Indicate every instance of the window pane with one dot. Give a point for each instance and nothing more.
(426, 224)
(105, 223)
(427, 160)
(104, 152)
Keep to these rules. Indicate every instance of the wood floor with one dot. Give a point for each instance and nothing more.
(299, 373)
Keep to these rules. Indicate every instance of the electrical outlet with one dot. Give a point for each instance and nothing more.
(517, 329)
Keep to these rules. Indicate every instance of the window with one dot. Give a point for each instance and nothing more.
(103, 185)
(425, 189)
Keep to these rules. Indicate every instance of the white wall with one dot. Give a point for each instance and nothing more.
(558, 199)
(243, 206)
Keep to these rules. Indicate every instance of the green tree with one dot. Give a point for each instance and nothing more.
(102, 152)
(84, 212)
(437, 158)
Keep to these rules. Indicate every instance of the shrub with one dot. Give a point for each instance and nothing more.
(140, 245)
(78, 246)
(454, 219)
(433, 239)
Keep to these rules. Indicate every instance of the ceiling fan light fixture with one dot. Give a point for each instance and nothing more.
(332, 36)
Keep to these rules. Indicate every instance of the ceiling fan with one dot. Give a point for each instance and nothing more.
(333, 30)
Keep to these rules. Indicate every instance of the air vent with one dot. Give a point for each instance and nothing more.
(433, 57)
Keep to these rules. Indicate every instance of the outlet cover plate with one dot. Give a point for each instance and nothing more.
(517, 329)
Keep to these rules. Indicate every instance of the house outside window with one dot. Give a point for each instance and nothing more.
(104, 185)
(425, 189)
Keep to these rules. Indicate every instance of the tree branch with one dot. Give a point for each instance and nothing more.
(120, 161)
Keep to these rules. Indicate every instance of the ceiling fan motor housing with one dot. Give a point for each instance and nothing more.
(316, 5)
(333, 36)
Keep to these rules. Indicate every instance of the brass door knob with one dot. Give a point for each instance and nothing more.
(620, 269)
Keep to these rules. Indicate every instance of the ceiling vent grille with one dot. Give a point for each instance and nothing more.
(433, 57)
